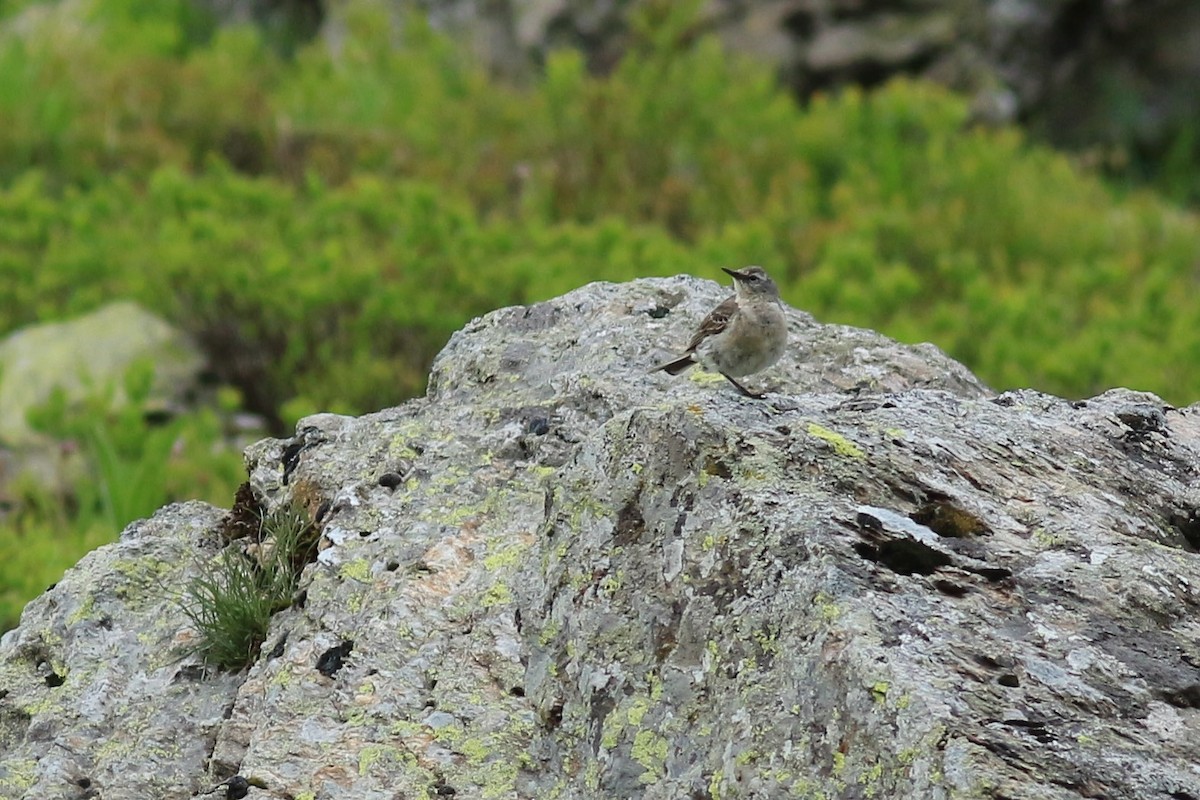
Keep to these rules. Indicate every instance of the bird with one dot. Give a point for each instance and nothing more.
(744, 334)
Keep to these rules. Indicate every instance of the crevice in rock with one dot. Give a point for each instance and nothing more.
(1187, 697)
(630, 525)
(1186, 522)
(245, 516)
(946, 519)
(334, 658)
(904, 556)
(991, 574)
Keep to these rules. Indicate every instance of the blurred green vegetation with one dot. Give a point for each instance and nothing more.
(320, 217)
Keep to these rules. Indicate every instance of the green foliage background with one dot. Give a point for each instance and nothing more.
(323, 220)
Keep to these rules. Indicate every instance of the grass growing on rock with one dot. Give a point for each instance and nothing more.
(231, 602)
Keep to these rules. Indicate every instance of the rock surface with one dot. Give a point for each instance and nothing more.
(557, 575)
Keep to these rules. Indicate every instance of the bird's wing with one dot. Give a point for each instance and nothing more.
(715, 322)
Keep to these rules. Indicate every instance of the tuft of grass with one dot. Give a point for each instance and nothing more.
(231, 602)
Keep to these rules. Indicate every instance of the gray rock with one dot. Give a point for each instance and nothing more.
(582, 580)
(82, 357)
(88, 354)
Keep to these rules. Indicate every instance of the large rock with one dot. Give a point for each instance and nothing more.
(558, 575)
(82, 358)
(89, 355)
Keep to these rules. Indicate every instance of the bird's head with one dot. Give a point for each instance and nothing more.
(753, 281)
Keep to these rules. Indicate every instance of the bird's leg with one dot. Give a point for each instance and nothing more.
(744, 390)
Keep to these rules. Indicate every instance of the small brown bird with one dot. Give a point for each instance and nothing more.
(745, 334)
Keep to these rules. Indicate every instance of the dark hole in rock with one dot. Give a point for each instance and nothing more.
(322, 511)
(277, 650)
(867, 551)
(538, 426)
(517, 691)
(1143, 419)
(392, 566)
(444, 790)
(54, 680)
(554, 716)
(717, 468)
(291, 459)
(658, 312)
(906, 557)
(630, 525)
(84, 783)
(1187, 697)
(244, 517)
(1009, 680)
(991, 662)
(236, 788)
(950, 588)
(190, 672)
(334, 658)
(946, 519)
(390, 480)
(1187, 522)
(992, 574)
(1036, 729)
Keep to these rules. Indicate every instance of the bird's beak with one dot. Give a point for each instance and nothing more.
(737, 276)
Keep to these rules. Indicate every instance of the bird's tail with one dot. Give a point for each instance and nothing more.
(677, 366)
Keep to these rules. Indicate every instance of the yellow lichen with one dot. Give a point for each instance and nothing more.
(841, 445)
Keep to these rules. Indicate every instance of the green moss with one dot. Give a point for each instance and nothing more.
(549, 632)
(841, 445)
(373, 754)
(591, 776)
(610, 584)
(1047, 541)
(704, 377)
(746, 756)
(17, 775)
(636, 711)
(85, 611)
(879, 691)
(358, 570)
(715, 784)
(143, 578)
(497, 594)
(827, 609)
(650, 750)
(509, 553)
